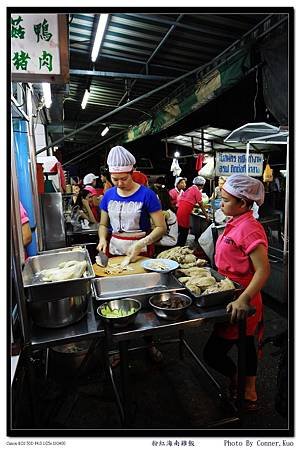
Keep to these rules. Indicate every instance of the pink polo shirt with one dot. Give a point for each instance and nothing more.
(241, 236)
(24, 217)
(174, 195)
(192, 195)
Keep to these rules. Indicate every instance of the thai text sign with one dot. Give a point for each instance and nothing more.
(230, 163)
(35, 44)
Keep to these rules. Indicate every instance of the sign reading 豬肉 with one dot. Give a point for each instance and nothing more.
(231, 163)
(35, 46)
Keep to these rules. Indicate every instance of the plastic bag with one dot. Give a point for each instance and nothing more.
(220, 216)
(208, 170)
(75, 217)
(268, 174)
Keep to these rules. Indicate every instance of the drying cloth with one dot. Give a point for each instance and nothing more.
(58, 168)
(199, 162)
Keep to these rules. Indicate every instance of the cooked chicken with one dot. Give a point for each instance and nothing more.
(193, 271)
(193, 288)
(223, 285)
(65, 271)
(114, 269)
(201, 262)
(226, 284)
(183, 279)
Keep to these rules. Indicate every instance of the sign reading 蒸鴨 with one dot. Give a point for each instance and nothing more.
(35, 45)
(231, 163)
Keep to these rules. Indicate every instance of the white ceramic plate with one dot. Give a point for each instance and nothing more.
(160, 265)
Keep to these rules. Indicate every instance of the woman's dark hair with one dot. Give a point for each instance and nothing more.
(105, 172)
(81, 195)
(163, 196)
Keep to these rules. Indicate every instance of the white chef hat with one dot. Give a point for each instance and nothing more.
(120, 160)
(243, 186)
(89, 178)
(199, 181)
(178, 179)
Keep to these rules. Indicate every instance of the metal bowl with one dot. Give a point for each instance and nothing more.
(124, 303)
(166, 312)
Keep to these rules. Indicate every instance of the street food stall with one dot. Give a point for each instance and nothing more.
(62, 295)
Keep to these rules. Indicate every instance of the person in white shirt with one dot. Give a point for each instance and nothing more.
(169, 239)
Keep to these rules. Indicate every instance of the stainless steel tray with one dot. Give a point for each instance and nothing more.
(62, 249)
(38, 290)
(216, 298)
(139, 286)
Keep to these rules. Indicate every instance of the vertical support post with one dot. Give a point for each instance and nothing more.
(126, 397)
(193, 145)
(286, 208)
(33, 173)
(166, 147)
(241, 364)
(181, 344)
(247, 158)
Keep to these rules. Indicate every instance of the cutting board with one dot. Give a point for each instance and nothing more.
(136, 266)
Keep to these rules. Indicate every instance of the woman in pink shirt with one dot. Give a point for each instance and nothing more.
(242, 256)
(186, 203)
(177, 191)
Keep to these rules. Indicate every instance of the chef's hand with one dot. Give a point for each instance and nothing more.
(135, 249)
(102, 246)
(239, 308)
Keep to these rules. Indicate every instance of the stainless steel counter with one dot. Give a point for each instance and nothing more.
(147, 323)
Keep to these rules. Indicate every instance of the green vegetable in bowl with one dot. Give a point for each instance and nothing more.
(114, 313)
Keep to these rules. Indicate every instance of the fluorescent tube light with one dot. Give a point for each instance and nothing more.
(104, 131)
(99, 36)
(47, 94)
(85, 99)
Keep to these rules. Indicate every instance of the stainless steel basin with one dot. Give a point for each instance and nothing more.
(39, 291)
(139, 286)
(58, 313)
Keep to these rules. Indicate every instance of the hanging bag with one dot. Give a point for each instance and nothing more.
(268, 174)
(208, 170)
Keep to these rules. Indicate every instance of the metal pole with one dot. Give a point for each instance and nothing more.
(247, 158)
(286, 208)
(120, 108)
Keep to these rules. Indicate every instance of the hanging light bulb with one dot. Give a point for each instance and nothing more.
(104, 131)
